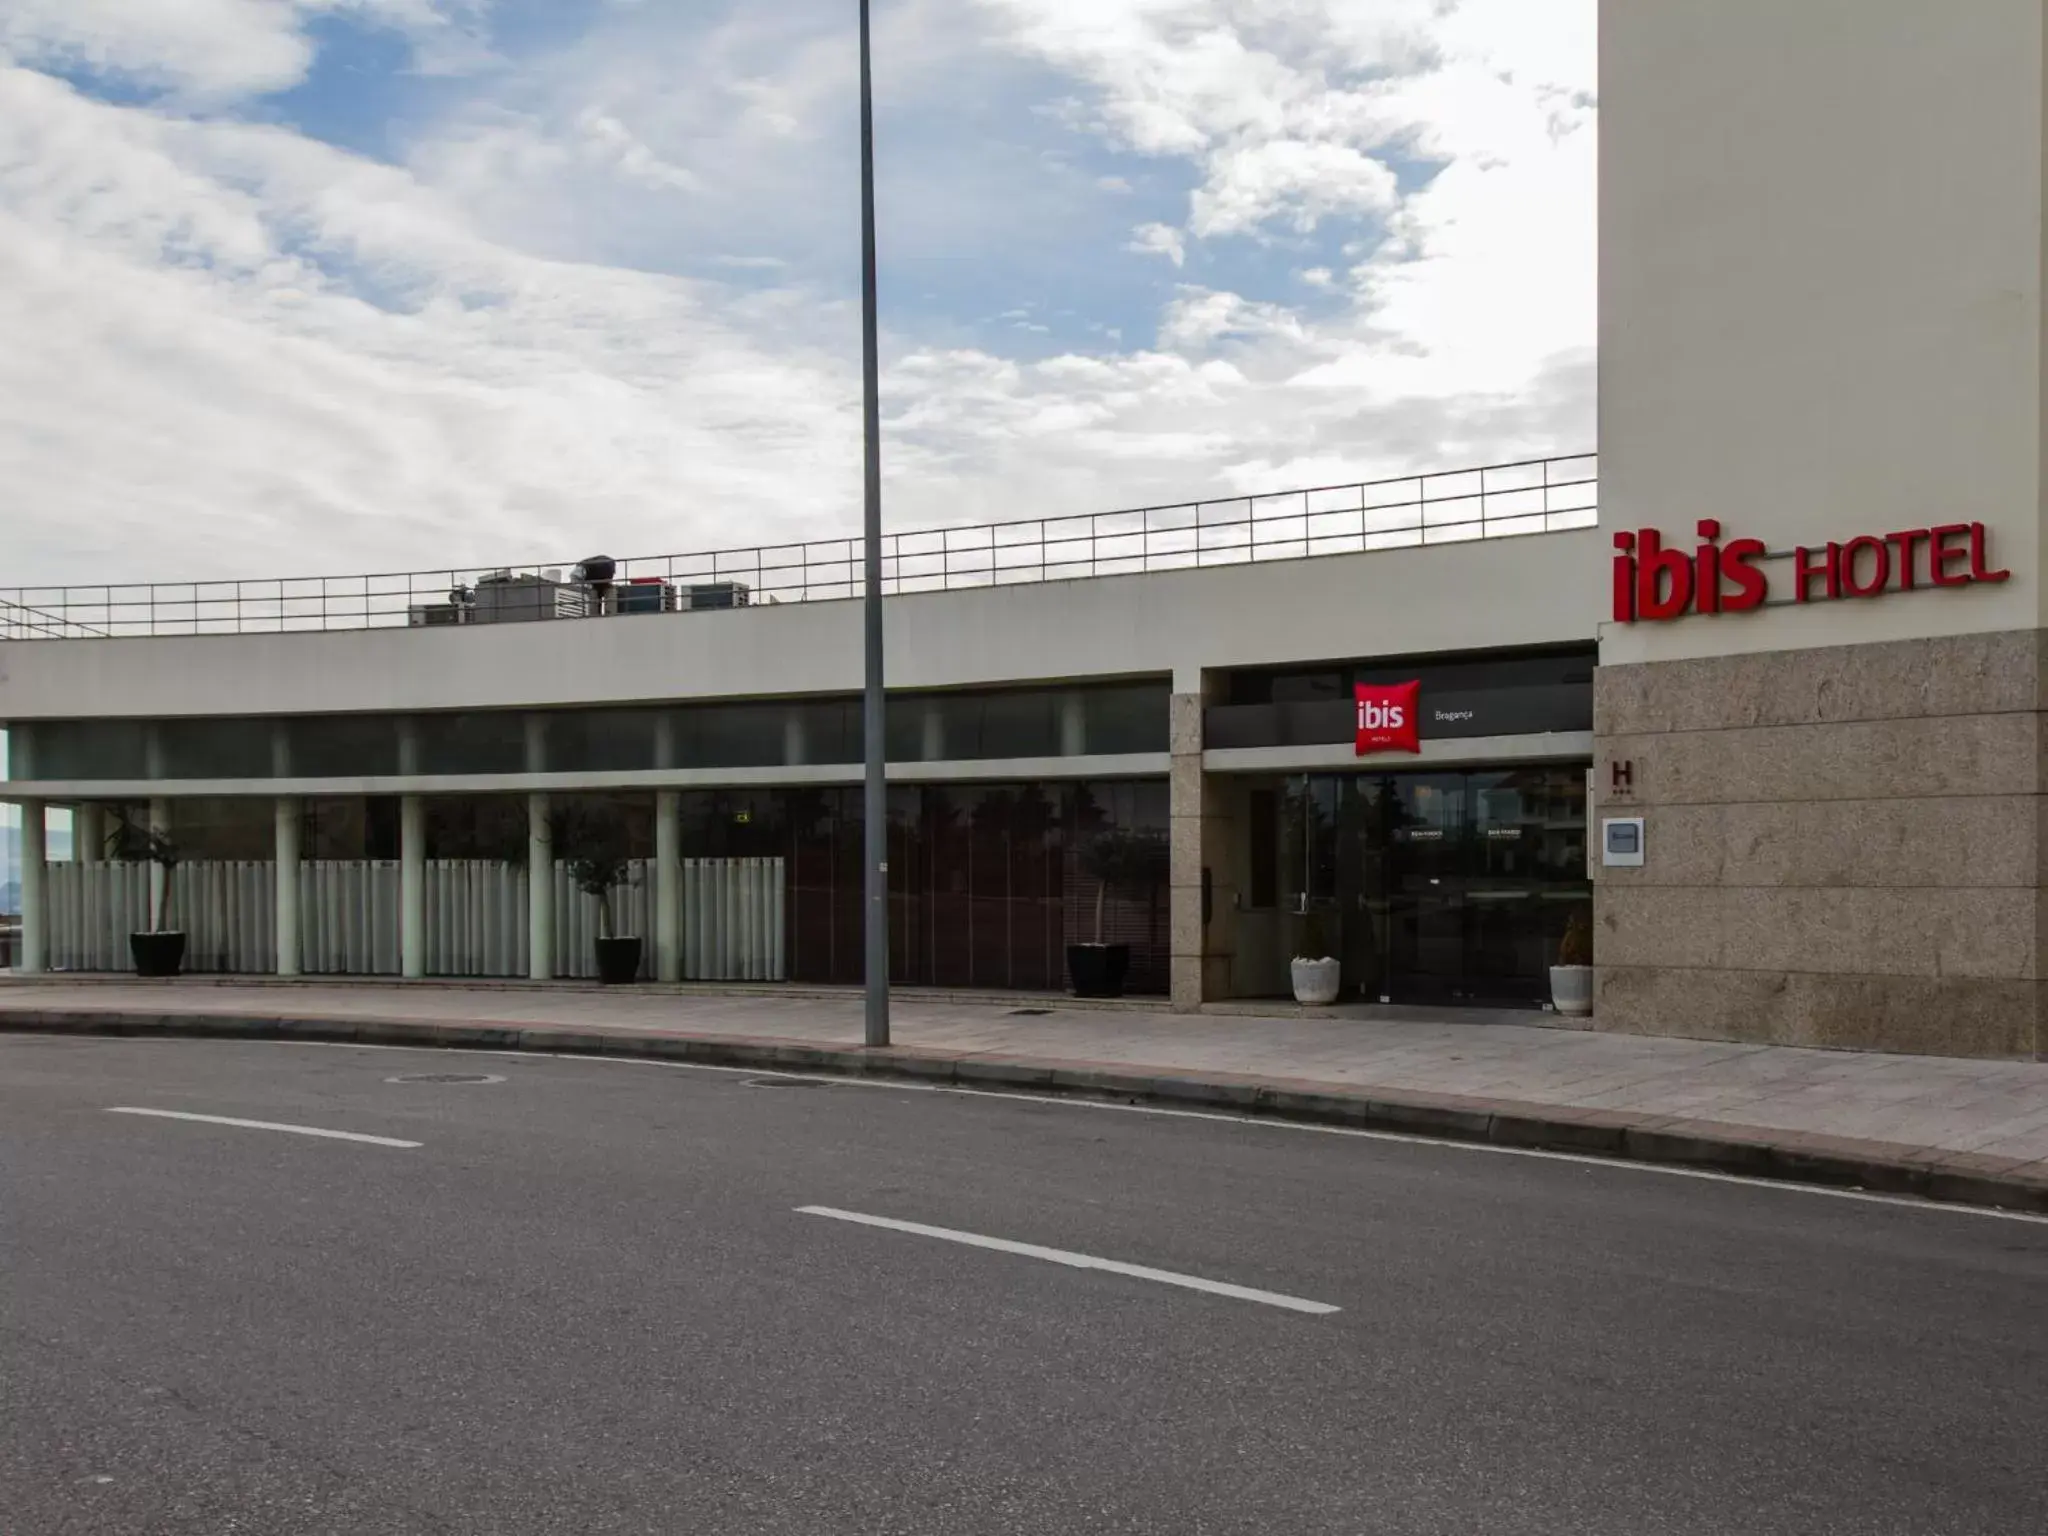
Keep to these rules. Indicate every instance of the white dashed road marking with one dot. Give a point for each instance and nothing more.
(267, 1125)
(1076, 1260)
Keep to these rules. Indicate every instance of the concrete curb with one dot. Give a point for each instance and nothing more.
(1799, 1157)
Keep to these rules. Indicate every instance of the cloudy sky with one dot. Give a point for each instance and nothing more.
(306, 285)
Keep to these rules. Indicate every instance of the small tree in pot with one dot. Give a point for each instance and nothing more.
(1571, 979)
(160, 951)
(598, 863)
(1121, 863)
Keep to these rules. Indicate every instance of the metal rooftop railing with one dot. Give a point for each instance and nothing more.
(1496, 501)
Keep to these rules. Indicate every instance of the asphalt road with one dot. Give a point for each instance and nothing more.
(589, 1302)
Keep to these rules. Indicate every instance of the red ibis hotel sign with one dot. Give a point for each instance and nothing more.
(1652, 582)
(1389, 717)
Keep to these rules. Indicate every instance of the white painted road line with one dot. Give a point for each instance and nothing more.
(1589, 1160)
(1076, 1260)
(268, 1125)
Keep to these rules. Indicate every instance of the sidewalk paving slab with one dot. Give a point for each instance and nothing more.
(1974, 1132)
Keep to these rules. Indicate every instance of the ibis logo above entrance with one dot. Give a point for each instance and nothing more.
(1653, 582)
(1389, 717)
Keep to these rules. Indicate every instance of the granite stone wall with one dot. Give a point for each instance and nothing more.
(1843, 847)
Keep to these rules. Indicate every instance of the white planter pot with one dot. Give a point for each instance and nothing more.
(1316, 982)
(1571, 990)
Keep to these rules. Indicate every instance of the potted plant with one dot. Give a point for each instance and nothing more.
(1571, 979)
(1128, 864)
(1317, 975)
(599, 863)
(160, 951)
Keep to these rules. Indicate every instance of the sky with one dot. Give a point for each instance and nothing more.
(303, 286)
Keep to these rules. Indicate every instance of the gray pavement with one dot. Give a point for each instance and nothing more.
(587, 1303)
(1986, 1116)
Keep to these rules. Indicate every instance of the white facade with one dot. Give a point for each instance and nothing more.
(1527, 590)
(1821, 276)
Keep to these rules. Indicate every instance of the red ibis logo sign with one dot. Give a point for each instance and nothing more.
(1653, 582)
(1389, 717)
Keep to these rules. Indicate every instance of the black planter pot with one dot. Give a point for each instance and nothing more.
(618, 961)
(1098, 970)
(157, 954)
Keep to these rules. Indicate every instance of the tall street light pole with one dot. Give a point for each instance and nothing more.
(874, 710)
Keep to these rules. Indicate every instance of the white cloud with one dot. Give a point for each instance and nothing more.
(232, 348)
(210, 50)
(1161, 240)
(193, 385)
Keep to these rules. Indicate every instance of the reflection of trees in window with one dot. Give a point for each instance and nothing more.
(477, 827)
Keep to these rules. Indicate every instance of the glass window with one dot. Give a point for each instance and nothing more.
(215, 749)
(243, 828)
(729, 736)
(485, 741)
(1127, 718)
(343, 746)
(1015, 725)
(351, 827)
(826, 730)
(80, 749)
(1263, 876)
(589, 824)
(479, 827)
(909, 734)
(601, 740)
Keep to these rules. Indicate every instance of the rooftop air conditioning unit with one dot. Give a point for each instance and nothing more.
(505, 597)
(714, 594)
(422, 614)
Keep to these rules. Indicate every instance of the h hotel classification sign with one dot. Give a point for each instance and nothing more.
(1652, 582)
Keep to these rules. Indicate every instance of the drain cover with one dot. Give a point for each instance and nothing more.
(784, 1082)
(445, 1077)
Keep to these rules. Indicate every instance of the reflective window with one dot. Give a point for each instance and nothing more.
(343, 746)
(965, 726)
(484, 741)
(601, 740)
(214, 749)
(729, 735)
(80, 749)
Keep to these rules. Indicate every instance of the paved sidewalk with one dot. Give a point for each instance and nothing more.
(1960, 1129)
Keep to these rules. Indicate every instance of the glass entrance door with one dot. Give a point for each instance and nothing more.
(1427, 874)
(1443, 887)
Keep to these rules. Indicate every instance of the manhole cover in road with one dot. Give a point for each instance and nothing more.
(445, 1077)
(783, 1082)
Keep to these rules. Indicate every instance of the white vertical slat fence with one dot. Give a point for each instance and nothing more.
(732, 919)
(227, 911)
(476, 918)
(348, 917)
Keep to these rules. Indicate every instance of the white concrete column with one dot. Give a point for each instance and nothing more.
(1073, 725)
(796, 747)
(540, 890)
(665, 740)
(412, 886)
(932, 749)
(159, 890)
(408, 745)
(280, 750)
(668, 885)
(289, 808)
(536, 743)
(153, 766)
(89, 834)
(35, 889)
